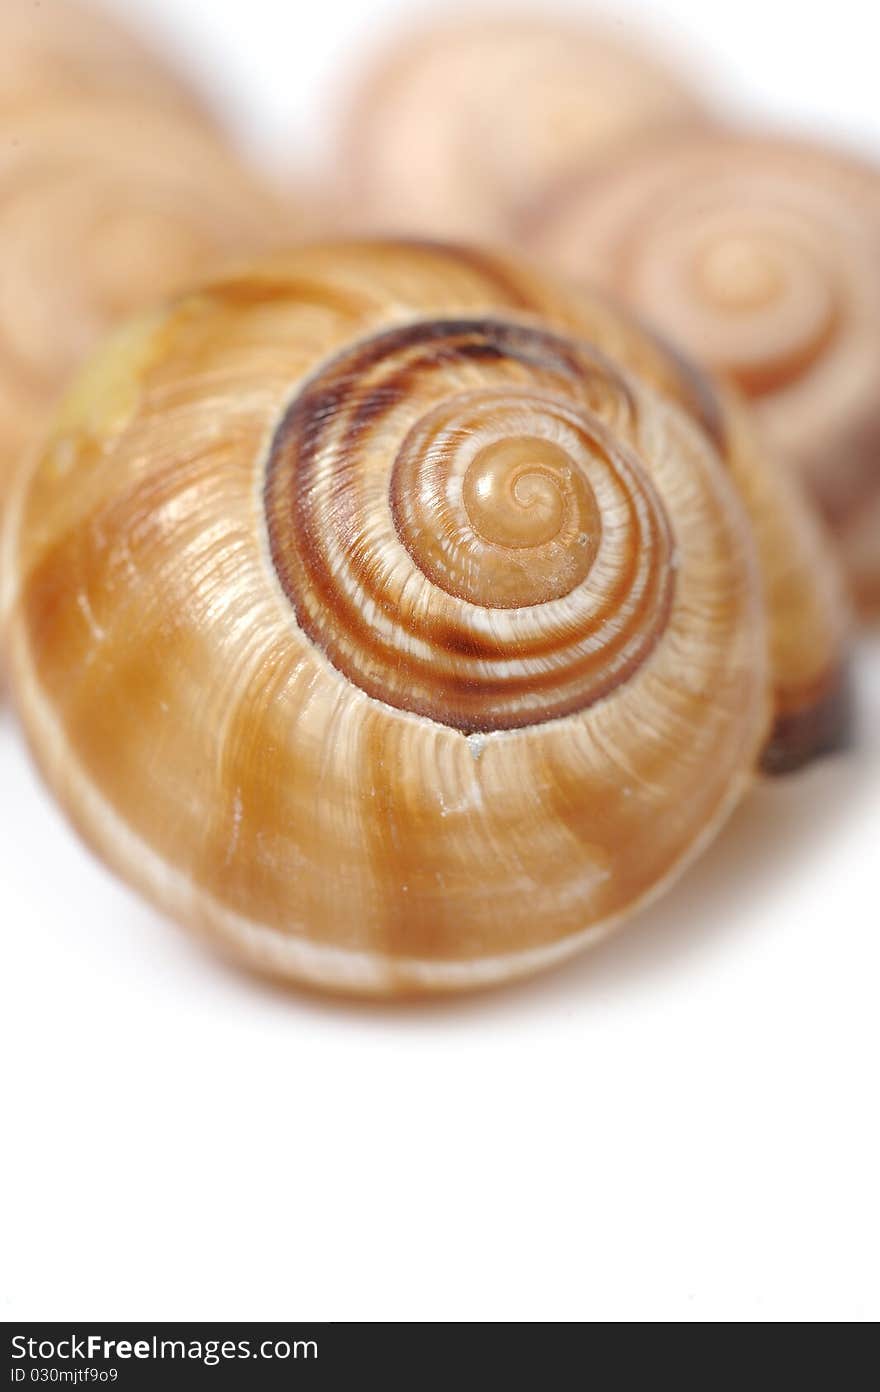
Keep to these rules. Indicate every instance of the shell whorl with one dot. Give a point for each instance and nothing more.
(373, 614)
(760, 258)
(460, 527)
(742, 270)
(756, 294)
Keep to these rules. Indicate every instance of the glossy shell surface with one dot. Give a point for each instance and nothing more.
(393, 615)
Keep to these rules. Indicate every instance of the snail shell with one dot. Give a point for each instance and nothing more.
(105, 207)
(762, 258)
(51, 50)
(463, 124)
(374, 614)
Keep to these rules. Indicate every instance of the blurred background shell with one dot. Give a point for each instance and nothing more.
(461, 124)
(761, 257)
(51, 49)
(116, 189)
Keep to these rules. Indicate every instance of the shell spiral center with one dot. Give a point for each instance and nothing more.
(461, 522)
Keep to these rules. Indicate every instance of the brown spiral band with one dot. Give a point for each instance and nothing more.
(458, 517)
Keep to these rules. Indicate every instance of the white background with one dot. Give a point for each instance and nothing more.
(681, 1125)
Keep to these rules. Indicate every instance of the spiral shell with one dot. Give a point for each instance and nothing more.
(761, 258)
(51, 50)
(374, 614)
(104, 208)
(463, 124)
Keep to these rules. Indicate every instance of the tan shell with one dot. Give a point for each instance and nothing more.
(105, 208)
(462, 124)
(762, 258)
(390, 614)
(51, 50)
